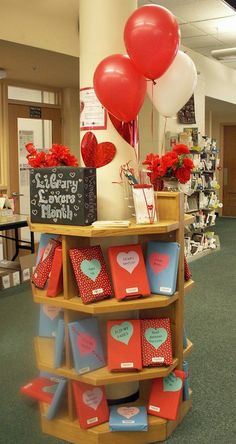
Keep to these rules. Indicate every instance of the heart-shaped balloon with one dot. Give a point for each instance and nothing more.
(96, 154)
(127, 130)
(119, 87)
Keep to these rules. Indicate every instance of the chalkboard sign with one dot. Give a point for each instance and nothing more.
(63, 195)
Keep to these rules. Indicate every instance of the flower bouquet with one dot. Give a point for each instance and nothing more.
(174, 165)
(57, 155)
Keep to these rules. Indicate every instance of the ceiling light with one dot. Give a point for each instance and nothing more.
(224, 54)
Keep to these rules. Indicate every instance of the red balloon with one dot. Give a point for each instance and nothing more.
(119, 87)
(151, 37)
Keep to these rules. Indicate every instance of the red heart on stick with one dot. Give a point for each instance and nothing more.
(96, 154)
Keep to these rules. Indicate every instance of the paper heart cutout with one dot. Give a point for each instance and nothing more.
(91, 268)
(86, 343)
(50, 388)
(96, 154)
(92, 398)
(128, 261)
(172, 383)
(128, 412)
(127, 130)
(122, 332)
(158, 261)
(156, 336)
(50, 311)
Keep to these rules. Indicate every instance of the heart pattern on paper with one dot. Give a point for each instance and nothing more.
(158, 262)
(86, 343)
(93, 398)
(128, 261)
(50, 311)
(172, 383)
(128, 412)
(91, 268)
(96, 154)
(156, 336)
(122, 332)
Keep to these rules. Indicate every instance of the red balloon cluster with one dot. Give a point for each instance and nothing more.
(151, 36)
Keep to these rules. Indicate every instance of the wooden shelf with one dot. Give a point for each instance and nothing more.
(158, 429)
(188, 219)
(188, 285)
(188, 349)
(165, 226)
(107, 305)
(44, 348)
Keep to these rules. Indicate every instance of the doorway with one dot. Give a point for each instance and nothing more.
(42, 130)
(229, 165)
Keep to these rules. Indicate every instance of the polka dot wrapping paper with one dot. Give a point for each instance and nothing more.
(90, 273)
(156, 342)
(43, 269)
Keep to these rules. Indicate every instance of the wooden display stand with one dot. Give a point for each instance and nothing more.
(169, 228)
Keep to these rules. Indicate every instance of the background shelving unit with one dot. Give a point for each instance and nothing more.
(169, 228)
(202, 202)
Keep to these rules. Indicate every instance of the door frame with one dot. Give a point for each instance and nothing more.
(221, 172)
(20, 109)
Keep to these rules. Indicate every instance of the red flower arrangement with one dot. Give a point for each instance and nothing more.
(57, 155)
(173, 165)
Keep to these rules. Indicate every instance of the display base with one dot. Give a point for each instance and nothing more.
(158, 430)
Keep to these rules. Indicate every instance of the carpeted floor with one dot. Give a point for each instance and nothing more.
(210, 324)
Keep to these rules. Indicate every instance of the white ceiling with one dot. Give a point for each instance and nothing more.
(205, 25)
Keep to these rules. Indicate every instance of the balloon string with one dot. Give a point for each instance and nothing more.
(152, 119)
(163, 138)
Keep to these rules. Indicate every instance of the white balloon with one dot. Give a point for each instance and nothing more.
(175, 87)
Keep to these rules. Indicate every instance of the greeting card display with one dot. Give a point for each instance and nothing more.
(156, 342)
(124, 345)
(162, 266)
(128, 419)
(128, 270)
(91, 404)
(40, 388)
(44, 266)
(55, 281)
(63, 195)
(86, 345)
(165, 395)
(90, 273)
(48, 320)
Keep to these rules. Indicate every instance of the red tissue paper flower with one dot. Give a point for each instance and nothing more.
(57, 155)
(174, 164)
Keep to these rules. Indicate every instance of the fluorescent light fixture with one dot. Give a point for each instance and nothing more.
(224, 54)
(3, 73)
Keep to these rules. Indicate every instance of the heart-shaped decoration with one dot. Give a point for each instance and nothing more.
(86, 343)
(128, 261)
(128, 412)
(55, 220)
(96, 154)
(91, 268)
(33, 202)
(92, 398)
(158, 261)
(72, 174)
(50, 311)
(122, 332)
(156, 336)
(172, 383)
(50, 388)
(35, 212)
(127, 130)
(60, 175)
